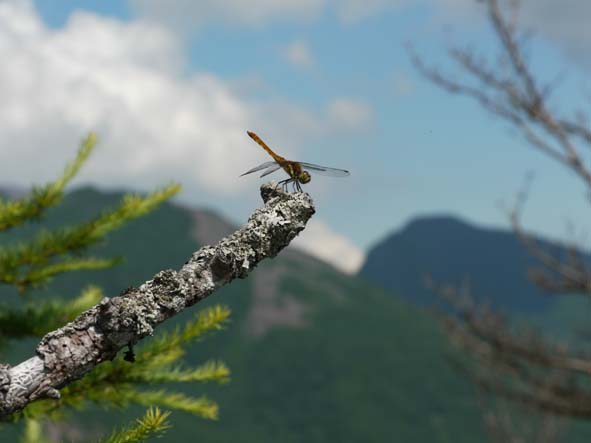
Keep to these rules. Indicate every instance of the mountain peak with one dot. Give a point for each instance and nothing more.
(451, 250)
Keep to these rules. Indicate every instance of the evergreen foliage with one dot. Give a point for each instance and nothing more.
(152, 424)
(37, 318)
(119, 383)
(17, 212)
(33, 262)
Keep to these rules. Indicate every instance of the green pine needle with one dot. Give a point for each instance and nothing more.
(17, 212)
(33, 432)
(89, 297)
(34, 263)
(152, 424)
(37, 318)
(117, 383)
(215, 371)
(207, 320)
(39, 275)
(201, 406)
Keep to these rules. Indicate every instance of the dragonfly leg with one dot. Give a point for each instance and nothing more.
(297, 185)
(284, 183)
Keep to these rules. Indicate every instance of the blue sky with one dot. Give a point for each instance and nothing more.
(171, 91)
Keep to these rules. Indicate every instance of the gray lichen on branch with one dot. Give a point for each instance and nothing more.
(99, 333)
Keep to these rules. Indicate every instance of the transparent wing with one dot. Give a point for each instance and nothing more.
(324, 170)
(262, 166)
(274, 167)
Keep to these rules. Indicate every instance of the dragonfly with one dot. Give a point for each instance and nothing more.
(299, 172)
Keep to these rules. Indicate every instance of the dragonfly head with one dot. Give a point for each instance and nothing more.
(304, 177)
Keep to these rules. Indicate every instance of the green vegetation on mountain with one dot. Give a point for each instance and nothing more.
(315, 355)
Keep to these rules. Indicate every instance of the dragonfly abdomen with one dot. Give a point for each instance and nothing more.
(263, 145)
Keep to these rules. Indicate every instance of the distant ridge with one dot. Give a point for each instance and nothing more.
(493, 261)
(10, 191)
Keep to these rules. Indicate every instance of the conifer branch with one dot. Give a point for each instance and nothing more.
(116, 383)
(17, 212)
(200, 406)
(210, 371)
(34, 263)
(153, 423)
(98, 334)
(39, 317)
(33, 432)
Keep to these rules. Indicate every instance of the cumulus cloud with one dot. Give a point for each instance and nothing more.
(350, 113)
(319, 240)
(563, 23)
(127, 81)
(298, 54)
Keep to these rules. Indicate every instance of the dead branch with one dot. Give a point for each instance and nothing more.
(98, 334)
(507, 422)
(517, 364)
(521, 365)
(569, 275)
(514, 94)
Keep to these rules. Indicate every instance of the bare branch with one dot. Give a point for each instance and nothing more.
(564, 276)
(98, 334)
(521, 365)
(508, 422)
(515, 96)
(518, 365)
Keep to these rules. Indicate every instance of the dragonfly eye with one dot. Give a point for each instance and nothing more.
(304, 177)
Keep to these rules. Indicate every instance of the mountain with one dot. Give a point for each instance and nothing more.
(10, 192)
(493, 262)
(316, 355)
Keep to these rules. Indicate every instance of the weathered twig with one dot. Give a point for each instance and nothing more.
(98, 334)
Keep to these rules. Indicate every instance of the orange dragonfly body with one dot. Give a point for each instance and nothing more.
(299, 172)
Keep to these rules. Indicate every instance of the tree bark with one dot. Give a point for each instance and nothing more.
(99, 333)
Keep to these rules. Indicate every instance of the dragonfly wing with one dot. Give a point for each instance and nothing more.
(324, 170)
(274, 167)
(260, 167)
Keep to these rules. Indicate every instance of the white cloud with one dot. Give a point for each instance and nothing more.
(298, 54)
(319, 240)
(563, 23)
(350, 113)
(127, 81)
